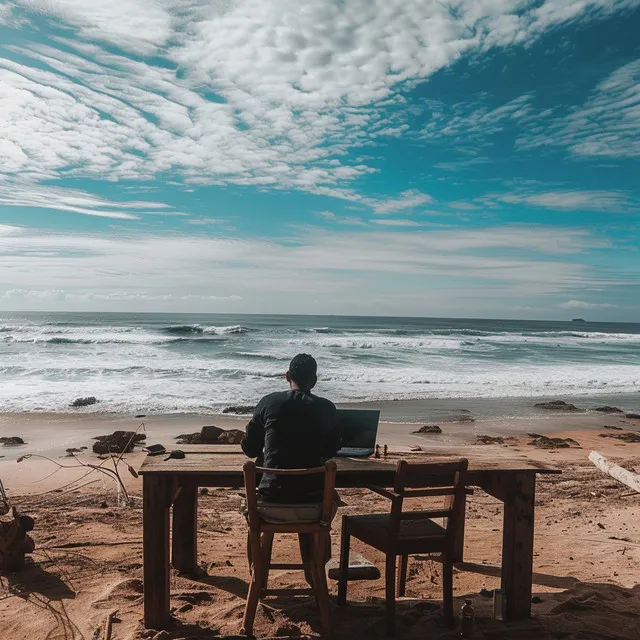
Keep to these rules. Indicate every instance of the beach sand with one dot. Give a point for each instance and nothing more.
(88, 558)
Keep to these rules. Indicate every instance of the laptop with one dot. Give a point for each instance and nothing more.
(359, 428)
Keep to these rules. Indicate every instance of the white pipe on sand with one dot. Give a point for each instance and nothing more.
(620, 474)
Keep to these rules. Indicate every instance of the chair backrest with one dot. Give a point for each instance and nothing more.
(420, 480)
(250, 476)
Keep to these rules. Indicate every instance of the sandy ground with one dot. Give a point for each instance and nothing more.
(88, 560)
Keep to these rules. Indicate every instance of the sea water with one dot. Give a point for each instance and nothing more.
(188, 363)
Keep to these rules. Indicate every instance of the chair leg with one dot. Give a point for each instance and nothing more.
(402, 576)
(305, 541)
(344, 563)
(320, 580)
(390, 592)
(447, 588)
(255, 585)
(267, 548)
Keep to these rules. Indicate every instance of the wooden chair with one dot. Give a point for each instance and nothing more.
(404, 533)
(314, 542)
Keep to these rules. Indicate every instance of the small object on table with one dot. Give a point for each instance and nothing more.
(385, 450)
(155, 449)
(467, 620)
(176, 454)
(377, 452)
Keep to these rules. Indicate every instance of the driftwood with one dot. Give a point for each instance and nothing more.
(620, 474)
(108, 625)
(15, 541)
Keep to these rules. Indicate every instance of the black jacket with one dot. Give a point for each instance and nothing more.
(292, 430)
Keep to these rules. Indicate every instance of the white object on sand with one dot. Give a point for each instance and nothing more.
(620, 474)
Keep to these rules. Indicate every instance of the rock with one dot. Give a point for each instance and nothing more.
(414, 447)
(189, 438)
(465, 418)
(12, 441)
(536, 600)
(632, 416)
(544, 442)
(608, 409)
(118, 442)
(611, 426)
(140, 415)
(625, 437)
(556, 405)
(210, 434)
(204, 491)
(242, 408)
(73, 450)
(429, 428)
(84, 402)
(484, 439)
(231, 436)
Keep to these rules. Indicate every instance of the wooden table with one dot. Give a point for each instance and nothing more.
(174, 483)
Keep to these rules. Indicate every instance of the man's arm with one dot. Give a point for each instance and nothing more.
(333, 440)
(253, 442)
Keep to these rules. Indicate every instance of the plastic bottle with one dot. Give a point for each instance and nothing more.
(467, 620)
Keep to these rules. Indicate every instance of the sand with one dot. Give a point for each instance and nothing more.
(88, 559)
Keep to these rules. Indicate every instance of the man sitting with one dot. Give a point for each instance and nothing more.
(293, 429)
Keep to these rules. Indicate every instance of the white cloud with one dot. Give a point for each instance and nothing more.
(407, 200)
(579, 304)
(569, 200)
(396, 223)
(89, 271)
(607, 125)
(16, 193)
(270, 93)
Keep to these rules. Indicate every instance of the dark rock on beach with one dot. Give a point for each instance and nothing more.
(242, 409)
(84, 402)
(118, 442)
(485, 439)
(12, 441)
(556, 405)
(231, 436)
(632, 416)
(625, 437)
(429, 428)
(608, 409)
(212, 435)
(610, 426)
(544, 442)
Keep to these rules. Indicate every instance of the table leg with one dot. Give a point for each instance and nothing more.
(185, 531)
(155, 524)
(517, 543)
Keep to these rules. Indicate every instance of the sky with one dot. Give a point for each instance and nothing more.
(470, 158)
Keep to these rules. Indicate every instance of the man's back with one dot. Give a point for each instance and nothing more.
(292, 429)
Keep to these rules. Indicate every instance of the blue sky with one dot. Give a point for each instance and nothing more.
(391, 157)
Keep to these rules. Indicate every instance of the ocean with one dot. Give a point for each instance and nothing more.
(197, 363)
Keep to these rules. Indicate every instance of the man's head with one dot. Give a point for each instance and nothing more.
(302, 372)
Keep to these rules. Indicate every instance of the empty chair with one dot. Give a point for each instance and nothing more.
(403, 533)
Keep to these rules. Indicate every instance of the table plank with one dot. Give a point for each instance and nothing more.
(204, 460)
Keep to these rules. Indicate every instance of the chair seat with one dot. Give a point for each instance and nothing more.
(421, 535)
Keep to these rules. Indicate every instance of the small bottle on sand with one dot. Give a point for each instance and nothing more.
(385, 451)
(467, 620)
(377, 453)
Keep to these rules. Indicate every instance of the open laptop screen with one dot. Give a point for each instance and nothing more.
(359, 427)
